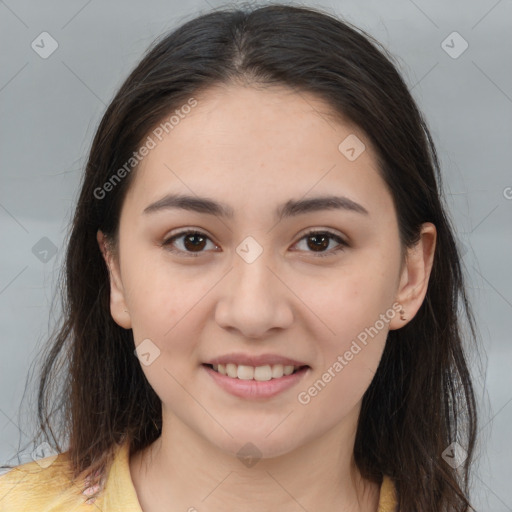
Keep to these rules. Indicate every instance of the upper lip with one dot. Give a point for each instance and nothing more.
(261, 360)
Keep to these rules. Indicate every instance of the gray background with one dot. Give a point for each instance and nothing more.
(50, 107)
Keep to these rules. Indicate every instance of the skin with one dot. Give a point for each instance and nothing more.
(255, 149)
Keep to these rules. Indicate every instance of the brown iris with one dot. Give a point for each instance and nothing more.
(199, 243)
(317, 237)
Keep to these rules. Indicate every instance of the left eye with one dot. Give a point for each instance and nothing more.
(194, 242)
(321, 240)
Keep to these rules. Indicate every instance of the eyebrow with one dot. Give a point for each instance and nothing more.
(291, 208)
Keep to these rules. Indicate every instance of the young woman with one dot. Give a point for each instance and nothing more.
(262, 288)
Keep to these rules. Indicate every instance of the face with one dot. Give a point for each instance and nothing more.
(307, 282)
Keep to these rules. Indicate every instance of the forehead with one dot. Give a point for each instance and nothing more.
(244, 143)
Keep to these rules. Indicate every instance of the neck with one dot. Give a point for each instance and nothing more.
(184, 471)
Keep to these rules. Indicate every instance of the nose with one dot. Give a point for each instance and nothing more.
(254, 299)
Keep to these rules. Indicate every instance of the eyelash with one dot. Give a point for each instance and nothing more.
(342, 244)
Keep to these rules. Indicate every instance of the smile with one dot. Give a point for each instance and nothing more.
(259, 373)
(251, 387)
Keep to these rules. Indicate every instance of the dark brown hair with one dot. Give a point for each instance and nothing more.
(421, 398)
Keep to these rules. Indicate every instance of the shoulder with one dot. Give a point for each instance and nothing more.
(388, 496)
(43, 485)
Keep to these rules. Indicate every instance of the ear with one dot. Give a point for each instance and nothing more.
(415, 276)
(118, 307)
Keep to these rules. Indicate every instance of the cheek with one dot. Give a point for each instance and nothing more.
(161, 294)
(349, 341)
(352, 314)
(347, 300)
(165, 309)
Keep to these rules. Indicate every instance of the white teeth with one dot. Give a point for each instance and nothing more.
(277, 371)
(262, 373)
(288, 370)
(231, 370)
(259, 373)
(245, 372)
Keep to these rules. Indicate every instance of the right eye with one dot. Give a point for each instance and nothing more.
(193, 243)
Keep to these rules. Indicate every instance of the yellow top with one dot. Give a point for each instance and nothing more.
(45, 485)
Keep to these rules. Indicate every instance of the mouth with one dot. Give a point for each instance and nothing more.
(257, 373)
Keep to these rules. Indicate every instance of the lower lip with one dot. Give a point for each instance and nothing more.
(254, 388)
